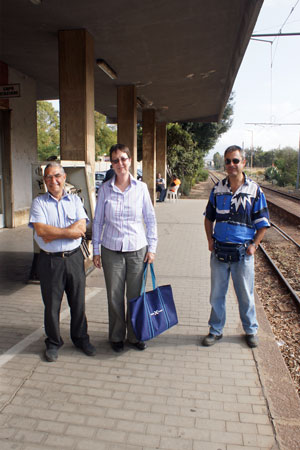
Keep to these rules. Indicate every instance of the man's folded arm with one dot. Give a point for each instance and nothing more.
(49, 233)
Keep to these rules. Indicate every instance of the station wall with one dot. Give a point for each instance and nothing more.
(23, 144)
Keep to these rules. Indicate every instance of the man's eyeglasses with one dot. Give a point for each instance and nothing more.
(57, 176)
(123, 159)
(234, 160)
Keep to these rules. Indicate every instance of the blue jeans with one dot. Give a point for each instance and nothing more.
(242, 273)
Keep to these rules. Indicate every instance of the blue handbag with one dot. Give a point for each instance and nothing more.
(153, 312)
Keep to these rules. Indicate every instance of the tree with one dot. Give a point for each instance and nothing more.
(47, 130)
(182, 153)
(286, 163)
(105, 137)
(218, 161)
(206, 135)
(284, 166)
(188, 143)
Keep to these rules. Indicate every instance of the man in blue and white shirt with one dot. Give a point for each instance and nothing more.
(239, 210)
(59, 221)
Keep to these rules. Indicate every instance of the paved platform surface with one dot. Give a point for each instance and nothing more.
(175, 395)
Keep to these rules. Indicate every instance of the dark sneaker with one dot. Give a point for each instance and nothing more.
(117, 346)
(139, 345)
(211, 339)
(51, 354)
(88, 349)
(252, 340)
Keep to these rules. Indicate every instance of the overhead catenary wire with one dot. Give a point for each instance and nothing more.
(273, 53)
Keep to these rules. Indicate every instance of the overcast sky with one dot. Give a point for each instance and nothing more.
(268, 95)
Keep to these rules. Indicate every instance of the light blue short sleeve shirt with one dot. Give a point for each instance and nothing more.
(61, 214)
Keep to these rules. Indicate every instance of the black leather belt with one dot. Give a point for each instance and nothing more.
(62, 254)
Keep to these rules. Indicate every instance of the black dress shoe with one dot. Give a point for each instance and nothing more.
(51, 354)
(117, 346)
(88, 349)
(139, 345)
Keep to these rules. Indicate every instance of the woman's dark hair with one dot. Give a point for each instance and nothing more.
(121, 147)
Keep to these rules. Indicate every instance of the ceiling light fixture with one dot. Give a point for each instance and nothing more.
(36, 2)
(106, 68)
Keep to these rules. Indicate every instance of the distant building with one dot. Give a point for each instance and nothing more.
(209, 163)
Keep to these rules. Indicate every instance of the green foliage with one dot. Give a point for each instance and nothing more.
(206, 135)
(218, 161)
(183, 157)
(187, 144)
(105, 137)
(271, 173)
(47, 130)
(202, 175)
(185, 186)
(284, 172)
(259, 157)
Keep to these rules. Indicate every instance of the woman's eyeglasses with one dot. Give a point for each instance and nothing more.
(122, 159)
(234, 160)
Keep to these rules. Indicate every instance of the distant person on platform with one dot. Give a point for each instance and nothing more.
(238, 208)
(59, 221)
(161, 187)
(109, 174)
(174, 182)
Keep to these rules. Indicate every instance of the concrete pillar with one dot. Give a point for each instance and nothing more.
(127, 122)
(4, 102)
(76, 93)
(161, 149)
(149, 151)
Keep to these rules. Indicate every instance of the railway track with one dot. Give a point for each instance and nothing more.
(284, 260)
(281, 193)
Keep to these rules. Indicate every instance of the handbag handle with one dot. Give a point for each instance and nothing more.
(145, 277)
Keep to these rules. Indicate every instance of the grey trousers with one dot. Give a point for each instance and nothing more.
(122, 269)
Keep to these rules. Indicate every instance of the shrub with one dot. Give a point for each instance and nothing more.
(202, 175)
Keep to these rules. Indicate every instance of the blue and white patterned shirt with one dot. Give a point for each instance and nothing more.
(237, 215)
(61, 214)
(120, 216)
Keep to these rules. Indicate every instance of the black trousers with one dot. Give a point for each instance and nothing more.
(58, 275)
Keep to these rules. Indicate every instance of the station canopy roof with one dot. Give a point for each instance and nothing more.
(182, 55)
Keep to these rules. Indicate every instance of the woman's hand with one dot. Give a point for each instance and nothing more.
(150, 257)
(97, 261)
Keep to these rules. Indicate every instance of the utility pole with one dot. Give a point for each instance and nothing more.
(251, 151)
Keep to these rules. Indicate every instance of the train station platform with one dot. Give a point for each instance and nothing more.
(174, 395)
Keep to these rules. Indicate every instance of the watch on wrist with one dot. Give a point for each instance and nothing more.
(256, 246)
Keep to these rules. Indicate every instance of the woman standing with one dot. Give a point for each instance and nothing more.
(123, 206)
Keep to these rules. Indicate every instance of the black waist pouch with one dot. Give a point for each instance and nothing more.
(229, 252)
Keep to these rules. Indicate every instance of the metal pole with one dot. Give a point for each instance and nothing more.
(298, 168)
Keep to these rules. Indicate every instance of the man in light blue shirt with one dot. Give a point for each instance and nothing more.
(59, 221)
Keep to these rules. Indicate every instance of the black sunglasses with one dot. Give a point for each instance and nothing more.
(234, 160)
